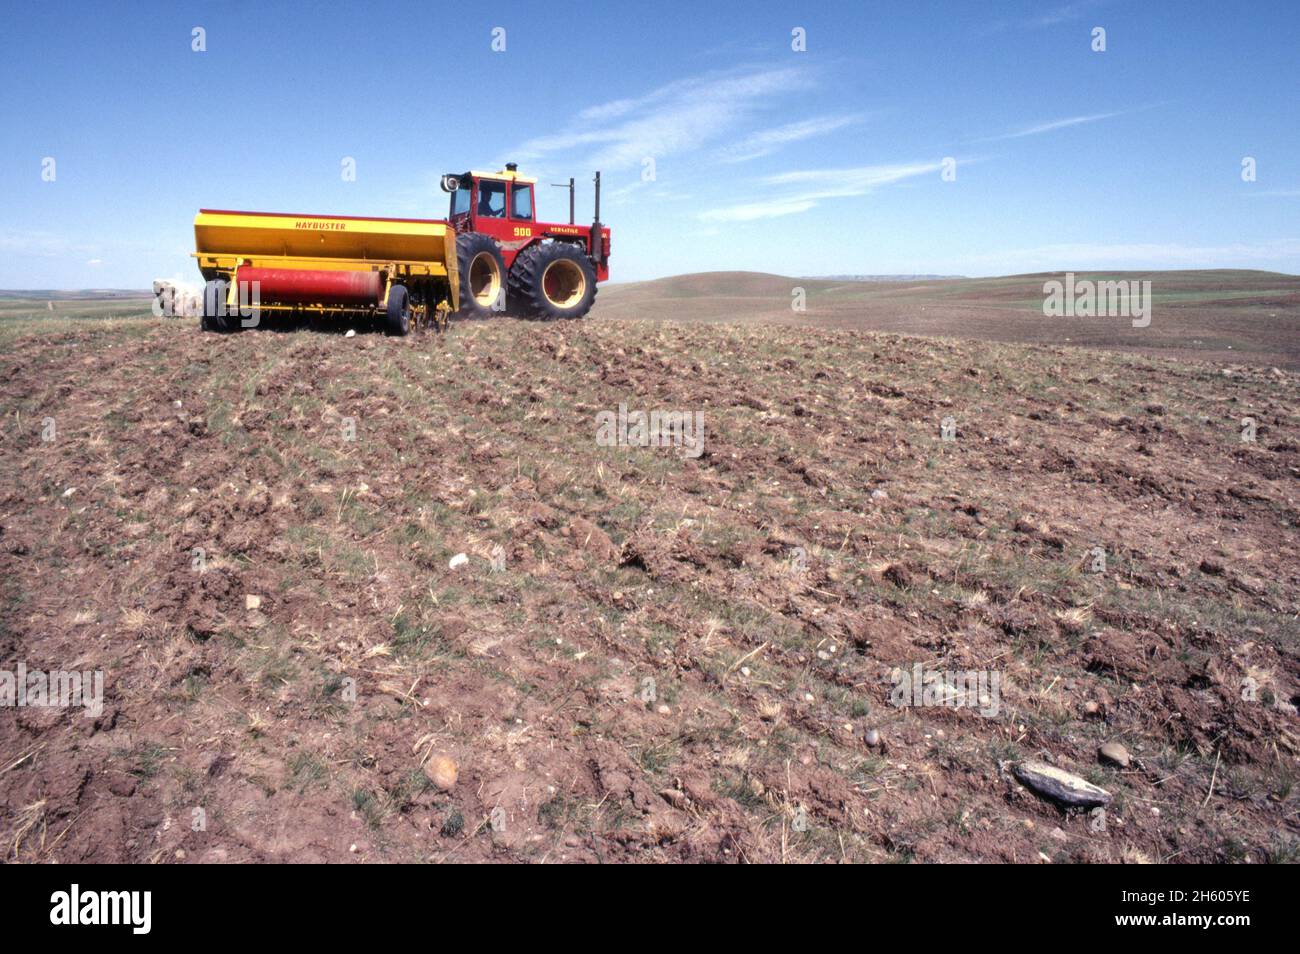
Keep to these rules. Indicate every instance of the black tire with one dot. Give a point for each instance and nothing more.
(553, 280)
(216, 316)
(482, 276)
(398, 320)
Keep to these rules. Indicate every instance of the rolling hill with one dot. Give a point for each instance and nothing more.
(1232, 316)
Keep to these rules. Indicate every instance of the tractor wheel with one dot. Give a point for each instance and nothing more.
(482, 276)
(553, 280)
(398, 320)
(216, 316)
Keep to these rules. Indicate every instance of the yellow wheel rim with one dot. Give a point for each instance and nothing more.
(484, 278)
(563, 283)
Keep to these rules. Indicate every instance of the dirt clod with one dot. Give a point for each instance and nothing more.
(442, 771)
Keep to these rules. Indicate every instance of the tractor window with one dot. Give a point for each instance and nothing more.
(521, 202)
(460, 201)
(492, 199)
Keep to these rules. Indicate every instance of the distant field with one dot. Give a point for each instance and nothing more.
(1232, 316)
(55, 310)
(42, 295)
(1229, 316)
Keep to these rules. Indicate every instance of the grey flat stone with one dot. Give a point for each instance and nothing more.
(1061, 786)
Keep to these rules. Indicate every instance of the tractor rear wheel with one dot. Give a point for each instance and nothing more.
(398, 319)
(553, 280)
(482, 276)
(216, 316)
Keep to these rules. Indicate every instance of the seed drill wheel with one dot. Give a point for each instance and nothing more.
(553, 280)
(398, 319)
(216, 316)
(482, 276)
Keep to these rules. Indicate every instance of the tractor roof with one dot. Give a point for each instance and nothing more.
(503, 174)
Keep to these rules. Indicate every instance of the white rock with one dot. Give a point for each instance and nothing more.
(350, 334)
(1061, 786)
(460, 559)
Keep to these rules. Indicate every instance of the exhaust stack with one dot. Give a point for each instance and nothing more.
(597, 236)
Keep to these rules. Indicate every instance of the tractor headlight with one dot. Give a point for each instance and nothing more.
(450, 183)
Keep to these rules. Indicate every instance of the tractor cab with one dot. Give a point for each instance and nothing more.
(499, 204)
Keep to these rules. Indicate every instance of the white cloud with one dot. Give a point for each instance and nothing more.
(856, 180)
(1050, 126)
(622, 192)
(679, 117)
(1071, 11)
(769, 140)
(1048, 18)
(751, 211)
(818, 184)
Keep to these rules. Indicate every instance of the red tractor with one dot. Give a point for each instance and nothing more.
(509, 261)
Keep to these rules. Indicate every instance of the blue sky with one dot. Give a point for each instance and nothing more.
(825, 161)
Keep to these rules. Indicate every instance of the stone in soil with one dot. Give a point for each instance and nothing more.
(1061, 786)
(1115, 754)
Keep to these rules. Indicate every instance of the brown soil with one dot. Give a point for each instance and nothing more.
(760, 591)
